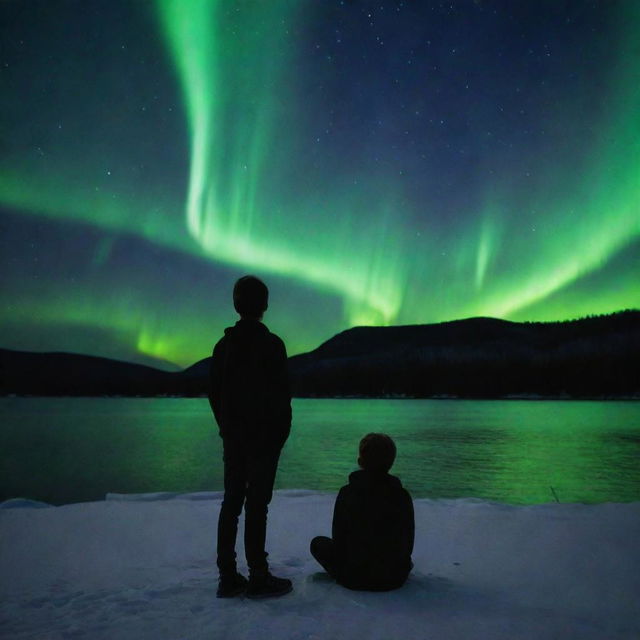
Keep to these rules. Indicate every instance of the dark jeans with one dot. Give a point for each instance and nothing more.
(249, 474)
(323, 550)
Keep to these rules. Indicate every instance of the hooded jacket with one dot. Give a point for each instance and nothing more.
(249, 386)
(373, 531)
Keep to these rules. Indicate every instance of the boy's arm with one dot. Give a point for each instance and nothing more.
(215, 382)
(281, 392)
(411, 525)
(210, 393)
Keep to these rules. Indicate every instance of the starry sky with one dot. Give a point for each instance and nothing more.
(375, 163)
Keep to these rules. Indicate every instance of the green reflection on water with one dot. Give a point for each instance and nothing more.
(510, 451)
(68, 449)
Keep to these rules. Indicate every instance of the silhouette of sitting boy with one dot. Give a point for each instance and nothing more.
(373, 524)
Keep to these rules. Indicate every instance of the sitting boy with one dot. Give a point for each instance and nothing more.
(373, 525)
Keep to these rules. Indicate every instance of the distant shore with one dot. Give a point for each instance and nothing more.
(523, 396)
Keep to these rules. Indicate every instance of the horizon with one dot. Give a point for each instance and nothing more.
(375, 164)
(175, 368)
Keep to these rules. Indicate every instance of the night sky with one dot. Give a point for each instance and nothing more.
(374, 162)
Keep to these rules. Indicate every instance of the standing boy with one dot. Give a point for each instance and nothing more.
(373, 524)
(250, 398)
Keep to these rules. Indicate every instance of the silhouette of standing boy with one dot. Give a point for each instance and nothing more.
(250, 398)
(373, 524)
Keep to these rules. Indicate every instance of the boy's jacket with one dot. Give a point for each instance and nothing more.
(249, 385)
(373, 530)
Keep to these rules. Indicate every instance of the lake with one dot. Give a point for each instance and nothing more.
(62, 450)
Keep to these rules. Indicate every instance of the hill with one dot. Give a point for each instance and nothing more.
(69, 374)
(477, 357)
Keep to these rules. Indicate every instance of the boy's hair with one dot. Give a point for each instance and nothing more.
(250, 297)
(377, 452)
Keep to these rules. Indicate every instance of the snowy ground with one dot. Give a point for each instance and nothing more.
(144, 567)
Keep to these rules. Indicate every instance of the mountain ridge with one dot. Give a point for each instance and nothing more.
(471, 357)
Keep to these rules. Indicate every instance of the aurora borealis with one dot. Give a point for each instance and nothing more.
(375, 163)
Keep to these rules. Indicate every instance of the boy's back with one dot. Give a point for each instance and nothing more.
(249, 385)
(373, 531)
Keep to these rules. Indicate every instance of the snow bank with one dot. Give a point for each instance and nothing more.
(143, 566)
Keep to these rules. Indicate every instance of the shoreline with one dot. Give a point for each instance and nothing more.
(635, 397)
(19, 502)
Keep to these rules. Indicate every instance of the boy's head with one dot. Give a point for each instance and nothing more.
(377, 452)
(250, 297)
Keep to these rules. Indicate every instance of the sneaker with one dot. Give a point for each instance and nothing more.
(231, 585)
(268, 586)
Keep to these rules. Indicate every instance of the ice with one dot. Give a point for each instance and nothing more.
(23, 503)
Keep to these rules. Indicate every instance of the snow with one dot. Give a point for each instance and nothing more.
(143, 566)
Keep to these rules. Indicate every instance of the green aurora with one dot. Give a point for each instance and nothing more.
(335, 227)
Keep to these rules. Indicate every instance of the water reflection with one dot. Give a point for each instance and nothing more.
(511, 451)
(64, 450)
